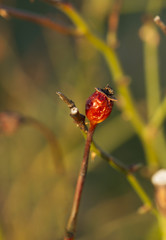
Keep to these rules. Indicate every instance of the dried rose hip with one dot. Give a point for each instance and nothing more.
(99, 105)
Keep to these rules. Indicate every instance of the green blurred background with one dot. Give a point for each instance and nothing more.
(35, 62)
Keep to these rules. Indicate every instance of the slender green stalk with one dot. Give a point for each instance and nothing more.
(113, 162)
(159, 115)
(162, 222)
(150, 152)
(1, 234)
(141, 193)
(151, 76)
(117, 165)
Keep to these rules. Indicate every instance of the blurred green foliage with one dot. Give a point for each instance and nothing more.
(35, 63)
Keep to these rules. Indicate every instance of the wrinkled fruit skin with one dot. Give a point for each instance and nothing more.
(98, 107)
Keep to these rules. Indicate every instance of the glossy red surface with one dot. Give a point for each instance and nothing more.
(98, 107)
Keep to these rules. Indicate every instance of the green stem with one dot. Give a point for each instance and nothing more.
(159, 115)
(117, 165)
(1, 234)
(150, 152)
(152, 77)
(162, 222)
(141, 193)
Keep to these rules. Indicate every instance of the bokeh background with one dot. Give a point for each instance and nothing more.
(35, 63)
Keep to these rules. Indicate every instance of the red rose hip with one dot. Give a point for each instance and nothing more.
(99, 105)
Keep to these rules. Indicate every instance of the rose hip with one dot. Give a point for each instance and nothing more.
(99, 105)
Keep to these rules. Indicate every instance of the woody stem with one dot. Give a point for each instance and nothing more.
(71, 226)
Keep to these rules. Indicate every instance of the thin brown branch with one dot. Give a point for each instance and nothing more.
(114, 15)
(7, 12)
(160, 24)
(66, 100)
(71, 226)
(79, 118)
(113, 23)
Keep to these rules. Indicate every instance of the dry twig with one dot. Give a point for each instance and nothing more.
(7, 12)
